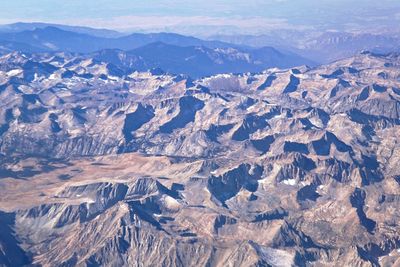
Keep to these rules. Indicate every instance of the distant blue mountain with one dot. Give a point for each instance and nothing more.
(10, 46)
(55, 39)
(198, 61)
(322, 47)
(22, 26)
(171, 52)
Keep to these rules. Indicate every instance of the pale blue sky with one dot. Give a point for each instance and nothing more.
(246, 16)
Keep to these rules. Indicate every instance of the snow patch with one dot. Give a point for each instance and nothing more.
(275, 257)
(170, 203)
(290, 182)
(14, 72)
(52, 77)
(50, 45)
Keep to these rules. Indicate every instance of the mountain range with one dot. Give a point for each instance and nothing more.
(172, 52)
(103, 167)
(168, 150)
(305, 47)
(322, 47)
(21, 26)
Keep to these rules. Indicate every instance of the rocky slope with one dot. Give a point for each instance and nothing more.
(105, 167)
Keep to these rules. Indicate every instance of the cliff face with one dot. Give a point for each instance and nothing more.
(285, 167)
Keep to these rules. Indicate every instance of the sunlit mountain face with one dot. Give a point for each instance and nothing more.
(261, 133)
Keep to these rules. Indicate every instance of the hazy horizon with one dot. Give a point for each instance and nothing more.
(222, 17)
